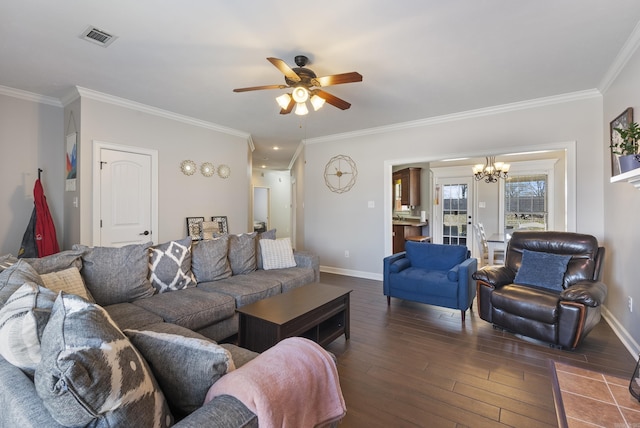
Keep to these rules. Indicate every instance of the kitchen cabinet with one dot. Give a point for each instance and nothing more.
(406, 186)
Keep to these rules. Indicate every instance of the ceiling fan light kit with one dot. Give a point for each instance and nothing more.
(305, 87)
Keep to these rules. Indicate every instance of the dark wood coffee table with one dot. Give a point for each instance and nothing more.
(319, 312)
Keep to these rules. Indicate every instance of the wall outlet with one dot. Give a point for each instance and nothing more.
(630, 303)
(346, 254)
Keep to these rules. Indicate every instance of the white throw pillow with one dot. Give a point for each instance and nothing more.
(277, 253)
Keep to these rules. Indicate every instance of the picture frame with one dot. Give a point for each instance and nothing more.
(194, 227)
(223, 225)
(622, 121)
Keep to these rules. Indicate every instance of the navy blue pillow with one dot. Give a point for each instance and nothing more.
(544, 270)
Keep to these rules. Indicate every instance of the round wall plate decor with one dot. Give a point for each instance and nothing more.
(207, 169)
(188, 167)
(224, 171)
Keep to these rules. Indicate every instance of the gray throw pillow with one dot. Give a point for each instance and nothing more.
(269, 234)
(12, 278)
(170, 266)
(55, 262)
(542, 269)
(91, 375)
(242, 253)
(22, 322)
(209, 260)
(116, 275)
(185, 367)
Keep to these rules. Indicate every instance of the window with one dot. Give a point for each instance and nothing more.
(526, 201)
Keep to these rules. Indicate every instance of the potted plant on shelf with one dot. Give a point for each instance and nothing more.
(627, 147)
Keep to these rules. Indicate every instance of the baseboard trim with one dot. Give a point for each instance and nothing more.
(349, 272)
(624, 336)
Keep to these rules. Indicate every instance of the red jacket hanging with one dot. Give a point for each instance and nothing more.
(45, 233)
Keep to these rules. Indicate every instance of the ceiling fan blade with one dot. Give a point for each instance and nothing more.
(337, 79)
(332, 99)
(284, 68)
(289, 107)
(258, 88)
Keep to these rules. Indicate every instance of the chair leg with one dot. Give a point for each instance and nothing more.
(463, 314)
(388, 300)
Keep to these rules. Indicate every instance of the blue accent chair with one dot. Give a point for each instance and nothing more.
(434, 274)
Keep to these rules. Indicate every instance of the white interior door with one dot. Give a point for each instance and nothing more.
(125, 197)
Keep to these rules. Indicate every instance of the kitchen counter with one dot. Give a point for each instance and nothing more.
(416, 223)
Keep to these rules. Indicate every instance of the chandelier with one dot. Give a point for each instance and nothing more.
(491, 170)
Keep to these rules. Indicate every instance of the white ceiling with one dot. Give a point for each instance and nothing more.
(419, 58)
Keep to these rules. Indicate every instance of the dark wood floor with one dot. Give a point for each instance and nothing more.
(413, 365)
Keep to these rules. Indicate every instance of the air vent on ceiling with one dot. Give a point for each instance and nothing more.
(97, 36)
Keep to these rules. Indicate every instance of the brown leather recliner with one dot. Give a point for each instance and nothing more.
(560, 317)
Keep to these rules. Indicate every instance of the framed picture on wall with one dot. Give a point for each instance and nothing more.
(223, 227)
(622, 121)
(194, 227)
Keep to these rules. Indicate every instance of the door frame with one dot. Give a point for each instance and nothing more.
(153, 154)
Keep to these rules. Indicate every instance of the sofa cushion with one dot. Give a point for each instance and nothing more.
(414, 279)
(55, 262)
(185, 367)
(128, 315)
(22, 321)
(67, 280)
(289, 278)
(429, 256)
(13, 277)
(170, 266)
(277, 253)
(527, 303)
(269, 234)
(116, 275)
(91, 374)
(242, 253)
(192, 308)
(542, 269)
(209, 261)
(245, 289)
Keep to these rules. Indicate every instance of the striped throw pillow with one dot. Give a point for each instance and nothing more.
(277, 253)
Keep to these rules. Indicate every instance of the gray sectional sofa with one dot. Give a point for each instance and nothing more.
(176, 288)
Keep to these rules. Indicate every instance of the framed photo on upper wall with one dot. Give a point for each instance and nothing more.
(194, 227)
(622, 121)
(223, 226)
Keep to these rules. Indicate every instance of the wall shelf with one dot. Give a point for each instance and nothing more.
(632, 177)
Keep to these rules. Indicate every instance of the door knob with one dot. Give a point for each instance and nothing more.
(146, 232)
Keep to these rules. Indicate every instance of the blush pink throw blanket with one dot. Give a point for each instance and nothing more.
(293, 384)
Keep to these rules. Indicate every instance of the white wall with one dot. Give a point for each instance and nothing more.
(621, 211)
(180, 196)
(338, 222)
(279, 184)
(31, 137)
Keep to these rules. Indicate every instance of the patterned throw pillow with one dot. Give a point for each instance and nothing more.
(170, 266)
(269, 234)
(185, 367)
(209, 261)
(12, 278)
(68, 280)
(242, 253)
(91, 374)
(277, 253)
(22, 321)
(116, 275)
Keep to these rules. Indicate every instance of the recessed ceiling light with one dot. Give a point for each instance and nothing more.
(276, 148)
(97, 36)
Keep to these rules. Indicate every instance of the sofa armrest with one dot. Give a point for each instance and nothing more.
(223, 411)
(590, 293)
(497, 276)
(307, 259)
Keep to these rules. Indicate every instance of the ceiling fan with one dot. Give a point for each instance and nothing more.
(305, 86)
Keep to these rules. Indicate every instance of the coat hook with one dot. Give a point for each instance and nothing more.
(39, 173)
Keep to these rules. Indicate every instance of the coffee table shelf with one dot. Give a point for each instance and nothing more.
(318, 312)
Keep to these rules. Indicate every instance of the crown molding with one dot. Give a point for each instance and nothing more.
(30, 96)
(133, 105)
(623, 57)
(487, 111)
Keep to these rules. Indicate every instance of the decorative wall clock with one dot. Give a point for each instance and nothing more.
(340, 174)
